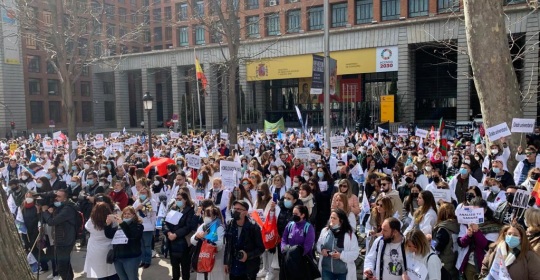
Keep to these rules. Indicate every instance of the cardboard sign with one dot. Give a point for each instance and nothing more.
(521, 199)
(193, 161)
(119, 237)
(74, 145)
(231, 172)
(497, 132)
(416, 270)
(47, 147)
(118, 146)
(99, 137)
(99, 144)
(302, 153)
(314, 156)
(469, 215)
(444, 194)
(175, 135)
(337, 141)
(523, 125)
(323, 186)
(422, 133)
(115, 135)
(224, 136)
(402, 131)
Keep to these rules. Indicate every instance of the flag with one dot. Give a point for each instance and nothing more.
(441, 127)
(536, 192)
(200, 74)
(384, 126)
(124, 130)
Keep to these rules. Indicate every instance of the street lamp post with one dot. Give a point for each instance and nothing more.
(148, 103)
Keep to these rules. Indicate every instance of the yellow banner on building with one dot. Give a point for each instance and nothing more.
(274, 127)
(387, 108)
(301, 66)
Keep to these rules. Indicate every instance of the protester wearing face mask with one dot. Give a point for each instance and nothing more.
(460, 183)
(239, 193)
(497, 153)
(497, 172)
(523, 167)
(338, 247)
(410, 205)
(297, 181)
(271, 175)
(213, 231)
(27, 179)
(532, 223)
(281, 170)
(278, 187)
(28, 215)
(146, 208)
(420, 254)
(388, 191)
(87, 169)
(119, 196)
(511, 257)
(405, 189)
(494, 193)
(178, 230)
(219, 195)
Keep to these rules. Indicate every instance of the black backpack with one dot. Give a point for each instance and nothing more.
(445, 275)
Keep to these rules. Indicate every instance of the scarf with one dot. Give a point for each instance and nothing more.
(501, 261)
(308, 201)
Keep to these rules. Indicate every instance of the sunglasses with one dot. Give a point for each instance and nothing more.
(384, 184)
(379, 205)
(529, 153)
(343, 186)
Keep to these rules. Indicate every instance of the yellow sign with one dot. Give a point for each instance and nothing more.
(12, 147)
(301, 66)
(387, 108)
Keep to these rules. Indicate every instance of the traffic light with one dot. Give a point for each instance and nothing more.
(12, 125)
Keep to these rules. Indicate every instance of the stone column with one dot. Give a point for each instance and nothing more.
(405, 84)
(260, 103)
(211, 99)
(97, 94)
(121, 99)
(149, 85)
(463, 78)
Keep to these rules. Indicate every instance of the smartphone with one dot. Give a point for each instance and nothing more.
(275, 197)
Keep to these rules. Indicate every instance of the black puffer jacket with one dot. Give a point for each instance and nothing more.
(64, 221)
(285, 215)
(186, 225)
(133, 232)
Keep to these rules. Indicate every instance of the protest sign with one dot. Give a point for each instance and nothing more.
(523, 125)
(323, 186)
(496, 132)
(403, 131)
(118, 146)
(416, 270)
(469, 215)
(99, 144)
(444, 194)
(521, 199)
(119, 238)
(74, 145)
(224, 135)
(115, 135)
(231, 172)
(193, 161)
(314, 156)
(302, 153)
(175, 135)
(132, 140)
(47, 147)
(422, 133)
(337, 141)
(13, 147)
(99, 137)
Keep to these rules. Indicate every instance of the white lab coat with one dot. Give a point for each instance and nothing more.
(349, 254)
(95, 265)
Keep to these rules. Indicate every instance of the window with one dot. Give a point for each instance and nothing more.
(199, 9)
(182, 11)
(109, 11)
(34, 86)
(110, 110)
(83, 46)
(53, 87)
(47, 18)
(364, 11)
(87, 112)
(50, 68)
(168, 33)
(122, 14)
(252, 4)
(514, 1)
(55, 111)
(111, 30)
(85, 88)
(418, 8)
(293, 21)
(147, 36)
(272, 25)
(168, 13)
(390, 9)
(339, 15)
(108, 87)
(447, 6)
(133, 2)
(253, 26)
(36, 112)
(217, 36)
(199, 35)
(85, 71)
(133, 16)
(157, 14)
(122, 32)
(30, 40)
(97, 49)
(33, 63)
(183, 37)
(158, 34)
(316, 19)
(96, 27)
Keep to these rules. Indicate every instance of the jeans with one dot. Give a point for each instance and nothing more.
(183, 261)
(63, 262)
(328, 275)
(112, 277)
(127, 268)
(146, 247)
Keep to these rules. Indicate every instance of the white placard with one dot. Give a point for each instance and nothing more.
(115, 135)
(469, 215)
(323, 186)
(416, 270)
(57, 134)
(444, 194)
(302, 153)
(47, 147)
(523, 125)
(175, 135)
(119, 237)
(521, 199)
(193, 161)
(314, 156)
(387, 59)
(422, 133)
(231, 172)
(74, 145)
(133, 140)
(402, 131)
(118, 146)
(99, 137)
(269, 131)
(337, 141)
(99, 144)
(224, 135)
(173, 217)
(496, 132)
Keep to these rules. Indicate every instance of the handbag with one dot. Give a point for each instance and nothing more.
(269, 230)
(110, 256)
(207, 257)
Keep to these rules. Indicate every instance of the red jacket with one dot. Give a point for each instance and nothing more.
(296, 171)
(120, 198)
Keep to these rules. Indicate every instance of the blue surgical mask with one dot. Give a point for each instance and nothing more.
(512, 241)
(288, 204)
(74, 168)
(127, 220)
(335, 226)
(48, 176)
(39, 185)
(463, 171)
(179, 203)
(57, 204)
(320, 174)
(90, 181)
(73, 184)
(496, 170)
(199, 176)
(109, 166)
(142, 197)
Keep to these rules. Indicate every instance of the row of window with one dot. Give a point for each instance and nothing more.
(53, 87)
(37, 111)
(34, 66)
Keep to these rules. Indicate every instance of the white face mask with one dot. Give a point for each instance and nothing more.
(251, 168)
(87, 166)
(156, 183)
(428, 168)
(273, 172)
(467, 161)
(494, 151)
(29, 200)
(60, 170)
(101, 184)
(280, 172)
(207, 220)
(306, 177)
(24, 177)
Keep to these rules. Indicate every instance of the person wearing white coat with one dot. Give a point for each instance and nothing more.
(99, 245)
(212, 215)
(338, 256)
(420, 256)
(425, 216)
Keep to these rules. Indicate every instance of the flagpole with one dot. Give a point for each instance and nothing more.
(198, 94)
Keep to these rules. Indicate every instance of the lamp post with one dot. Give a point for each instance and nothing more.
(148, 103)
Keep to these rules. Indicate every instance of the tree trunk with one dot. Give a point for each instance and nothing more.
(13, 263)
(233, 121)
(70, 110)
(493, 73)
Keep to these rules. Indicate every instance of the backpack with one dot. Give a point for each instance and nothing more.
(291, 224)
(79, 223)
(445, 275)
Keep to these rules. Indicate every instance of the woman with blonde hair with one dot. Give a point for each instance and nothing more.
(445, 232)
(383, 209)
(532, 176)
(344, 186)
(341, 201)
(420, 254)
(425, 216)
(532, 222)
(278, 186)
(511, 257)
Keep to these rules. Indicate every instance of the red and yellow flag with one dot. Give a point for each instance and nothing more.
(200, 73)
(536, 192)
